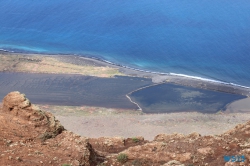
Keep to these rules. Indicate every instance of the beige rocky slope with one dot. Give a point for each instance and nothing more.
(29, 136)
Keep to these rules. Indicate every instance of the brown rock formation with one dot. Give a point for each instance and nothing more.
(29, 136)
(25, 132)
(44, 123)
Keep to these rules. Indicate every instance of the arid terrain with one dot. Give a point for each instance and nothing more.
(30, 63)
(30, 136)
(98, 122)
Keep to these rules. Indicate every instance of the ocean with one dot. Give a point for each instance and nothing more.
(201, 38)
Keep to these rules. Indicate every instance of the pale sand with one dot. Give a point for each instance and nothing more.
(102, 122)
(54, 64)
(241, 106)
(149, 126)
(97, 122)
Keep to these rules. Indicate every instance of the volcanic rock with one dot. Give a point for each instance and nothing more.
(30, 136)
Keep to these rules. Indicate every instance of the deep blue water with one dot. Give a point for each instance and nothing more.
(205, 38)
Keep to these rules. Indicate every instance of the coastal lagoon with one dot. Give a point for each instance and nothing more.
(78, 90)
(167, 98)
(72, 90)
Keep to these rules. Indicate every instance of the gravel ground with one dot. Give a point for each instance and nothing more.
(149, 126)
(100, 122)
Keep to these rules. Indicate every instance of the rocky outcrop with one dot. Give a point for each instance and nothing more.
(29, 136)
(44, 123)
(26, 132)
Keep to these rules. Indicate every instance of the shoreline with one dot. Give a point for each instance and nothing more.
(157, 77)
(179, 79)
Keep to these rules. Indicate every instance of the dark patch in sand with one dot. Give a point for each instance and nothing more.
(73, 90)
(78, 90)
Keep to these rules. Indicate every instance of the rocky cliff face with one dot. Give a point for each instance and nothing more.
(29, 136)
(44, 123)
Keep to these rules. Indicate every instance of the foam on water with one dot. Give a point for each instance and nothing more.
(208, 80)
(15, 48)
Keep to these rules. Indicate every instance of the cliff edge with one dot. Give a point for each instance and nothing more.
(30, 136)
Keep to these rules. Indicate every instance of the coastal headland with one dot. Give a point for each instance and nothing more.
(70, 82)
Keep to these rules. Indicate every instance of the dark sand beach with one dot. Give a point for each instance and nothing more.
(74, 90)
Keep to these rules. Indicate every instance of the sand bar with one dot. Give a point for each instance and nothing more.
(74, 64)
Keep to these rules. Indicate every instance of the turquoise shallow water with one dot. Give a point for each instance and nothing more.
(208, 39)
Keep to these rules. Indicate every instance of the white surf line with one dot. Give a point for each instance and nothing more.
(209, 80)
(127, 95)
(176, 74)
